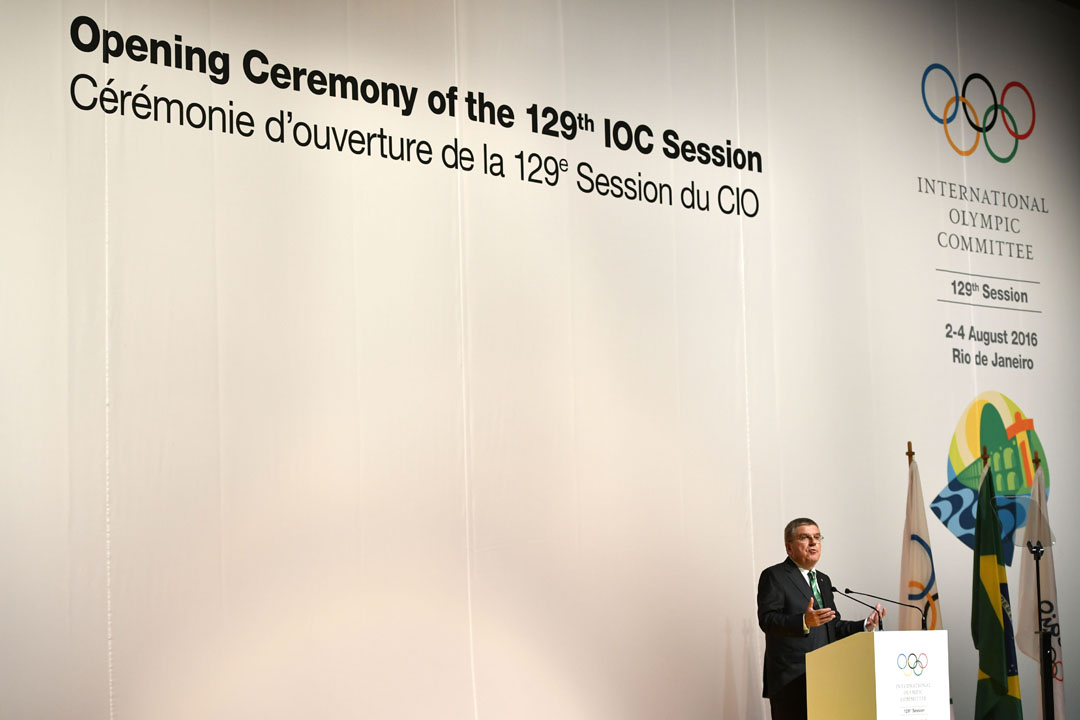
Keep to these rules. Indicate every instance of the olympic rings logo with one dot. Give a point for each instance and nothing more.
(912, 664)
(989, 118)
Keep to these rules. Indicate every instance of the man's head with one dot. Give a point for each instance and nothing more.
(802, 538)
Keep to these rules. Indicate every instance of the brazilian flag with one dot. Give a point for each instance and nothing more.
(997, 696)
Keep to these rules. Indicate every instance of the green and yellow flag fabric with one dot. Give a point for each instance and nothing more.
(997, 696)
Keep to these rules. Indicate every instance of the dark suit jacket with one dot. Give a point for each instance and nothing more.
(782, 597)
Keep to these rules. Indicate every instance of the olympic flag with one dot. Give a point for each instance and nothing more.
(1027, 624)
(918, 580)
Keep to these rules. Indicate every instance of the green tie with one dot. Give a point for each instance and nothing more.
(814, 587)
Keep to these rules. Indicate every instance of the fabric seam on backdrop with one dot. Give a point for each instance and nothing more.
(108, 458)
(745, 332)
(464, 335)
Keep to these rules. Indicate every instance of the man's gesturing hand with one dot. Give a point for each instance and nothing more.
(814, 618)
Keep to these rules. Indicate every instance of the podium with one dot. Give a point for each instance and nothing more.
(880, 676)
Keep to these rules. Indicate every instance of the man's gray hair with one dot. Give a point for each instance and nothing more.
(789, 530)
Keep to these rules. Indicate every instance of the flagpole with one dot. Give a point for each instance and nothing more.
(1045, 657)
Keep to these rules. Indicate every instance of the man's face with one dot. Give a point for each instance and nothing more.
(805, 547)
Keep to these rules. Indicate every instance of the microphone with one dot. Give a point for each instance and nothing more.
(881, 620)
(922, 611)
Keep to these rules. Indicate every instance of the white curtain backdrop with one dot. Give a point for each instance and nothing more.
(289, 432)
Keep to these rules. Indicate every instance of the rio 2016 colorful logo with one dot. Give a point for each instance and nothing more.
(980, 125)
(995, 422)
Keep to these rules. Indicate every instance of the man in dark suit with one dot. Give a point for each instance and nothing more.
(797, 613)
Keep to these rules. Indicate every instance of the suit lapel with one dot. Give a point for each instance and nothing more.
(795, 577)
